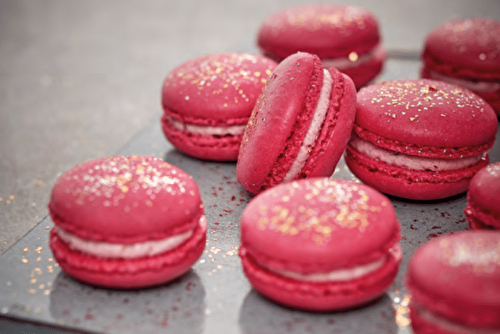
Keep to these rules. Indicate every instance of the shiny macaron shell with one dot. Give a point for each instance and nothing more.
(426, 119)
(338, 225)
(126, 200)
(456, 278)
(215, 90)
(483, 198)
(281, 118)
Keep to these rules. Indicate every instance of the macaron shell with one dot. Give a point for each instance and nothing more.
(484, 191)
(218, 148)
(129, 273)
(426, 113)
(338, 224)
(327, 30)
(125, 199)
(319, 296)
(469, 45)
(457, 276)
(269, 128)
(216, 89)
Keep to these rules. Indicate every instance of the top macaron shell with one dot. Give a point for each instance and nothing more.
(125, 199)
(216, 89)
(327, 30)
(426, 118)
(338, 224)
(285, 108)
(467, 47)
(457, 276)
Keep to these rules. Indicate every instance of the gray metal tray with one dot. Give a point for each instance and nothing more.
(214, 297)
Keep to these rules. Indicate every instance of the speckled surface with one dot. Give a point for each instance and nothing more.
(81, 80)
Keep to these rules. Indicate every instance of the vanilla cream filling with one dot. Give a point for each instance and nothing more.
(314, 128)
(233, 130)
(408, 161)
(476, 86)
(451, 326)
(353, 60)
(126, 251)
(343, 275)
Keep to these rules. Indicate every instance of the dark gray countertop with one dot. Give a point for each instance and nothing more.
(81, 80)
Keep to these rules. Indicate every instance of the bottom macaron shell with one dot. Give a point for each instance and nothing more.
(129, 273)
(372, 173)
(327, 296)
(216, 148)
(479, 220)
(421, 326)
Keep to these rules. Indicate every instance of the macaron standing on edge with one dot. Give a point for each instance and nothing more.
(454, 281)
(420, 139)
(126, 222)
(343, 36)
(300, 124)
(466, 52)
(207, 102)
(483, 199)
(349, 251)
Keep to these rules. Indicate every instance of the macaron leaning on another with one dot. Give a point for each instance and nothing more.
(300, 124)
(126, 222)
(420, 139)
(344, 36)
(466, 52)
(207, 102)
(320, 244)
(483, 199)
(454, 281)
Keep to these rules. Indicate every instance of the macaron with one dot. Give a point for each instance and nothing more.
(344, 36)
(420, 139)
(466, 52)
(126, 222)
(454, 282)
(483, 199)
(300, 124)
(320, 244)
(207, 102)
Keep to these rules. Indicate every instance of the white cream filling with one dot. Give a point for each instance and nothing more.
(343, 275)
(476, 86)
(408, 161)
(451, 326)
(314, 128)
(234, 130)
(126, 251)
(353, 60)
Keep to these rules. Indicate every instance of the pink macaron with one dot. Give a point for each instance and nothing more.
(483, 199)
(126, 222)
(320, 244)
(420, 139)
(343, 36)
(300, 124)
(466, 52)
(207, 102)
(454, 282)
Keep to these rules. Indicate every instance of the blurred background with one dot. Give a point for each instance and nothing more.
(79, 79)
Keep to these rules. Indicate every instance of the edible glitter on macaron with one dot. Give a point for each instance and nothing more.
(325, 206)
(320, 243)
(207, 102)
(126, 221)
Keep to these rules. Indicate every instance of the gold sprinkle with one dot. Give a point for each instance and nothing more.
(257, 74)
(12, 197)
(353, 56)
(24, 260)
